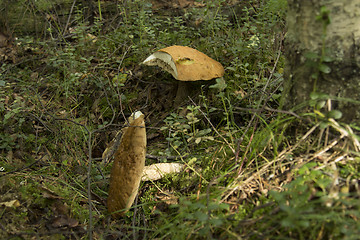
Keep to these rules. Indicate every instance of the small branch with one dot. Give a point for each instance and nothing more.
(268, 109)
(149, 156)
(68, 20)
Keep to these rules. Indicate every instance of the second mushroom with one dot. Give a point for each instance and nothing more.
(185, 64)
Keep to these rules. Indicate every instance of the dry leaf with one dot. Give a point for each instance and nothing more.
(12, 203)
(64, 221)
(49, 194)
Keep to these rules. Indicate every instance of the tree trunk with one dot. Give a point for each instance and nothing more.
(322, 50)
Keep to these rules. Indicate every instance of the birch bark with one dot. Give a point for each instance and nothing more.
(322, 50)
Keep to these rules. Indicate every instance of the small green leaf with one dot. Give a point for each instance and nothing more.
(231, 69)
(120, 79)
(318, 96)
(335, 114)
(314, 75)
(314, 95)
(312, 103)
(327, 59)
(201, 216)
(324, 125)
(8, 115)
(311, 55)
(324, 68)
(320, 104)
(220, 84)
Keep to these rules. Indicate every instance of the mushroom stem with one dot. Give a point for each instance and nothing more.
(183, 91)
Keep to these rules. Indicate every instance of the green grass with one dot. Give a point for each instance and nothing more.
(252, 170)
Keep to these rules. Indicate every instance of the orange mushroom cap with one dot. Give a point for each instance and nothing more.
(127, 170)
(185, 63)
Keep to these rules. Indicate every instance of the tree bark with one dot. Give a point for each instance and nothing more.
(322, 50)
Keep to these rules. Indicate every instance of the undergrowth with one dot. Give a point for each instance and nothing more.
(250, 174)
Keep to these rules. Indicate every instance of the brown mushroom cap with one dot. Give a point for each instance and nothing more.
(185, 63)
(127, 170)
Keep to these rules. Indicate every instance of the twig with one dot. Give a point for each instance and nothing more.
(88, 175)
(268, 109)
(287, 151)
(68, 20)
(107, 155)
(246, 151)
(242, 138)
(150, 156)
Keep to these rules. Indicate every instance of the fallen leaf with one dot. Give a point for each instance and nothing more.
(49, 194)
(64, 221)
(170, 199)
(164, 201)
(12, 203)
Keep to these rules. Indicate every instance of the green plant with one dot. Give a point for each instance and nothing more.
(184, 131)
(312, 206)
(12, 122)
(195, 219)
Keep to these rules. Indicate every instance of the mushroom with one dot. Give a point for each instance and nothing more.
(127, 169)
(159, 170)
(185, 64)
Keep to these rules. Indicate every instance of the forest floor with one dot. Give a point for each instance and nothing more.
(252, 170)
